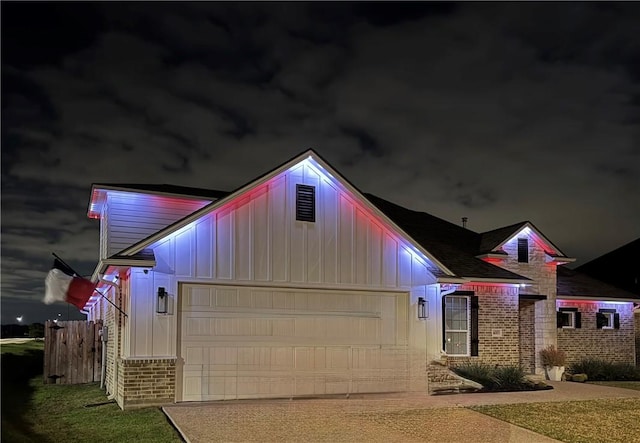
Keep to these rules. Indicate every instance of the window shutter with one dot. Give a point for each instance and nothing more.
(559, 319)
(305, 203)
(578, 319)
(601, 320)
(616, 321)
(474, 326)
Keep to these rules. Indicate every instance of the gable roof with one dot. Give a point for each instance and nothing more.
(573, 283)
(495, 238)
(491, 239)
(451, 244)
(453, 249)
(322, 164)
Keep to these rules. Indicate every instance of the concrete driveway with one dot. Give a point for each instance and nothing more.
(371, 418)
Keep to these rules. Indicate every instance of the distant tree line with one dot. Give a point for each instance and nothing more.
(20, 331)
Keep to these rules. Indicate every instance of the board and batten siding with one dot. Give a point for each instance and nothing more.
(129, 217)
(256, 241)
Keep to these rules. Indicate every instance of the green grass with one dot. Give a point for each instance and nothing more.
(619, 384)
(606, 420)
(35, 412)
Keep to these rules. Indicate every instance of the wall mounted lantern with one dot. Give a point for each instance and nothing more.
(163, 299)
(422, 307)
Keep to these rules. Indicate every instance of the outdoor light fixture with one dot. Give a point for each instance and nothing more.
(161, 307)
(422, 307)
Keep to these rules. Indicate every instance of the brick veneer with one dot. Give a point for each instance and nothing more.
(497, 326)
(616, 345)
(527, 336)
(543, 276)
(146, 382)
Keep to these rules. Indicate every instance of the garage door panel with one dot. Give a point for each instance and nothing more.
(242, 342)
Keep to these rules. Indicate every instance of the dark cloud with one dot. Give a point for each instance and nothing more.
(499, 112)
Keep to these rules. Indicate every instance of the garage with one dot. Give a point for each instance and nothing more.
(240, 342)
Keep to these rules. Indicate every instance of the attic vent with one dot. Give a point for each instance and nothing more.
(306, 203)
(523, 250)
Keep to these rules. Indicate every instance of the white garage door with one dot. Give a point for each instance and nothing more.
(247, 342)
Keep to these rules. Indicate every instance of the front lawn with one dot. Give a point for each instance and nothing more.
(605, 421)
(33, 411)
(619, 384)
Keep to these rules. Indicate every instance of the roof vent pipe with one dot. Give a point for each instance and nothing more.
(464, 221)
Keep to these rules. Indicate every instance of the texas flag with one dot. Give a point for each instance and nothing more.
(62, 284)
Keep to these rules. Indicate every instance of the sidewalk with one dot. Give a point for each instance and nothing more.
(372, 417)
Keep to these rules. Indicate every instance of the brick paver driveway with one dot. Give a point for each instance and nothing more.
(370, 418)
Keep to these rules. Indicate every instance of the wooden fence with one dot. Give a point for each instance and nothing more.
(72, 352)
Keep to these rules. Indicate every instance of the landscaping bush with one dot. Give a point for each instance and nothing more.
(495, 378)
(602, 370)
(478, 372)
(509, 378)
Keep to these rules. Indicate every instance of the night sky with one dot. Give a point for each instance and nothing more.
(499, 112)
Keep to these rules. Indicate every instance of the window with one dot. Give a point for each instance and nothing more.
(457, 320)
(569, 318)
(523, 250)
(607, 319)
(306, 203)
(460, 324)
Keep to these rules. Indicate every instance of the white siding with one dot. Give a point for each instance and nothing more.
(131, 217)
(256, 241)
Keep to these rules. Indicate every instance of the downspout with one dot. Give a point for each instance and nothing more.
(105, 339)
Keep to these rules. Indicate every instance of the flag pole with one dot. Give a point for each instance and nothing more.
(75, 272)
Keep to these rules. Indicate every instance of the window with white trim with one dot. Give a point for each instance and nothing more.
(569, 318)
(457, 321)
(607, 319)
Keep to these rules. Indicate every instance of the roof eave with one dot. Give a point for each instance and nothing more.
(593, 298)
(452, 279)
(518, 281)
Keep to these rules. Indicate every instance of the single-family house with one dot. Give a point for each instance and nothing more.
(299, 284)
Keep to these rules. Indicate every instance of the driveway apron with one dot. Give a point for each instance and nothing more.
(371, 418)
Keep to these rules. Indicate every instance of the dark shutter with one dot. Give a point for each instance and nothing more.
(616, 321)
(601, 320)
(559, 319)
(474, 326)
(578, 319)
(523, 250)
(306, 203)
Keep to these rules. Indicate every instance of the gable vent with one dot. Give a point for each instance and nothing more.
(306, 203)
(523, 250)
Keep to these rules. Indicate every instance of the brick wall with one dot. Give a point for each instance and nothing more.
(527, 335)
(616, 345)
(110, 323)
(543, 276)
(497, 325)
(146, 382)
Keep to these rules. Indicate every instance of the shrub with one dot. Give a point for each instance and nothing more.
(505, 378)
(551, 356)
(509, 378)
(601, 370)
(478, 372)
